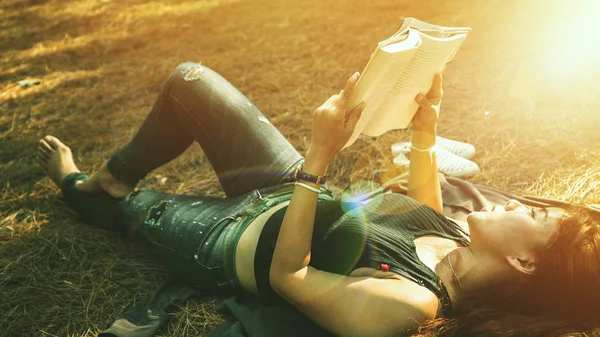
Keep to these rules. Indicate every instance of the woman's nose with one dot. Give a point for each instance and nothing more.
(512, 204)
(495, 208)
(498, 208)
(515, 205)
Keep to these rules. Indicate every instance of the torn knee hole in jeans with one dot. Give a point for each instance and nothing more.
(263, 119)
(155, 213)
(192, 73)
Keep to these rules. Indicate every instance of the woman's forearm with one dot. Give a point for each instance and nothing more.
(292, 250)
(423, 180)
(333, 124)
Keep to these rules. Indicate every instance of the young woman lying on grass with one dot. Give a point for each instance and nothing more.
(379, 269)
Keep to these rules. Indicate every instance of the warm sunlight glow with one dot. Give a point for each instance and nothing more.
(569, 59)
(557, 50)
(571, 51)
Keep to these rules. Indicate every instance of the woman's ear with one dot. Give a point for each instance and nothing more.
(522, 265)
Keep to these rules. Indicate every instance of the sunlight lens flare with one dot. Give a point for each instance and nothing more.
(576, 56)
(357, 194)
(571, 54)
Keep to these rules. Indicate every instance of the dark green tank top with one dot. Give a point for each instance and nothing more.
(348, 236)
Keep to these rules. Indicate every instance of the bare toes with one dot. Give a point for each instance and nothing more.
(43, 162)
(45, 147)
(54, 142)
(43, 156)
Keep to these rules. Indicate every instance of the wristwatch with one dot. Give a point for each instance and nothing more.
(301, 175)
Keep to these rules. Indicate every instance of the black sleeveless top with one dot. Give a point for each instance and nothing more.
(348, 236)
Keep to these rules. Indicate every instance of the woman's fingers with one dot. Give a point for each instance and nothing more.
(354, 116)
(350, 85)
(331, 101)
(424, 103)
(436, 87)
(427, 113)
(338, 104)
(429, 104)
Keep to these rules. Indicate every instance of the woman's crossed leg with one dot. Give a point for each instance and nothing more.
(246, 152)
(197, 104)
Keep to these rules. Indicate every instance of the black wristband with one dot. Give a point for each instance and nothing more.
(301, 175)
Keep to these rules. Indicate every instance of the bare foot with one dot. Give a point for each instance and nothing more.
(56, 158)
(104, 181)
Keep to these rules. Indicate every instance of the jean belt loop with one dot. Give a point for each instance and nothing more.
(260, 196)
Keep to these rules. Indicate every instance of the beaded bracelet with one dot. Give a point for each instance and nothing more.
(422, 150)
(316, 190)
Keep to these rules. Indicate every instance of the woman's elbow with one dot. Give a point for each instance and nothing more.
(281, 278)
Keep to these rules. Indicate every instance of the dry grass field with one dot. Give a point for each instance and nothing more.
(523, 89)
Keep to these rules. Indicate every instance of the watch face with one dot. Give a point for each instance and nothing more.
(298, 171)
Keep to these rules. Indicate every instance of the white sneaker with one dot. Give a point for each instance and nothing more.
(400, 160)
(453, 165)
(448, 163)
(462, 149)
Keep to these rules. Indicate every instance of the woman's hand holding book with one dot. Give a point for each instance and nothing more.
(334, 122)
(423, 180)
(427, 116)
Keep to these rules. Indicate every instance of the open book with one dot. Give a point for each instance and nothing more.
(401, 67)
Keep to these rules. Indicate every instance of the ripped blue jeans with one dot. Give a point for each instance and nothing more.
(196, 104)
(196, 235)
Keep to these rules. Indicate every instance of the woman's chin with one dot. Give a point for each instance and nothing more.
(473, 217)
(469, 218)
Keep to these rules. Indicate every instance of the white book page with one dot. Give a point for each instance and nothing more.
(430, 29)
(379, 79)
(372, 72)
(399, 107)
(377, 66)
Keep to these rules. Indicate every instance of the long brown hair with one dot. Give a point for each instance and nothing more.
(560, 299)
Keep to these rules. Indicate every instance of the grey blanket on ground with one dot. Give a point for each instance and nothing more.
(248, 317)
